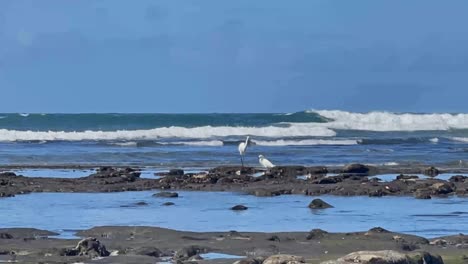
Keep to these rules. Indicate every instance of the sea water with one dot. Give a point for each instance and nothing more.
(210, 211)
(202, 141)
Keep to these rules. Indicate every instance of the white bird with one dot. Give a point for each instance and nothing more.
(242, 148)
(264, 162)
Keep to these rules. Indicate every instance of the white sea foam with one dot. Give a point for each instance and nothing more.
(126, 144)
(306, 142)
(24, 115)
(212, 143)
(387, 121)
(169, 132)
(434, 140)
(460, 139)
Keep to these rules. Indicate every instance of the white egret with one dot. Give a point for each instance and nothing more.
(264, 162)
(242, 148)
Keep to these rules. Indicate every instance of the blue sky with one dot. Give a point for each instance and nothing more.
(233, 56)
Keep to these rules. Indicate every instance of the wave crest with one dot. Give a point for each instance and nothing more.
(387, 121)
(167, 132)
(306, 142)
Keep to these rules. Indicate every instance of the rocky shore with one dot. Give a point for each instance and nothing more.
(349, 180)
(111, 244)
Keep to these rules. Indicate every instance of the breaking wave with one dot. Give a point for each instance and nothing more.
(306, 142)
(387, 121)
(167, 132)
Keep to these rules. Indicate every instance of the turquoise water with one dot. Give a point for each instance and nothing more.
(209, 211)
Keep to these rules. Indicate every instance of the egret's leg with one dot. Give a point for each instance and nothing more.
(242, 161)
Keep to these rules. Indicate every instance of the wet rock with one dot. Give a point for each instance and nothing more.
(330, 180)
(431, 172)
(166, 194)
(378, 230)
(439, 242)
(358, 169)
(284, 259)
(176, 172)
(135, 204)
(407, 246)
(188, 252)
(317, 170)
(265, 193)
(231, 170)
(249, 261)
(386, 257)
(109, 175)
(287, 171)
(407, 177)
(441, 188)
(239, 208)
(422, 194)
(168, 204)
(425, 257)
(8, 174)
(458, 178)
(274, 238)
(319, 204)
(376, 193)
(148, 251)
(5, 236)
(316, 234)
(90, 247)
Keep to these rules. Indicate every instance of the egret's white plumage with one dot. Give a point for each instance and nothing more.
(242, 148)
(264, 162)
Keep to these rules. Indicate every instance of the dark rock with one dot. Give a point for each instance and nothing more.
(90, 247)
(378, 230)
(318, 170)
(358, 169)
(265, 193)
(168, 204)
(239, 208)
(431, 171)
(407, 177)
(441, 188)
(148, 251)
(249, 261)
(274, 238)
(141, 203)
(316, 234)
(187, 252)
(408, 246)
(376, 193)
(319, 204)
(176, 172)
(8, 174)
(458, 178)
(330, 180)
(422, 194)
(426, 258)
(5, 236)
(231, 170)
(287, 171)
(166, 194)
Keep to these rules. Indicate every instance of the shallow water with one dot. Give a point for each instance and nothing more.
(391, 177)
(209, 211)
